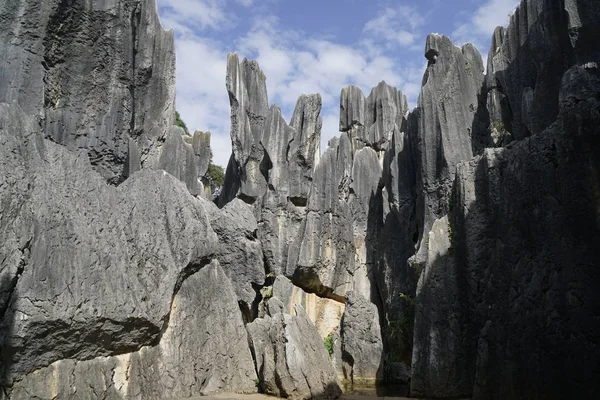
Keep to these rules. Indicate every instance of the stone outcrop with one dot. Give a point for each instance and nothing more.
(187, 162)
(452, 247)
(447, 108)
(240, 252)
(362, 348)
(100, 76)
(290, 357)
(503, 306)
(325, 314)
(130, 262)
(203, 350)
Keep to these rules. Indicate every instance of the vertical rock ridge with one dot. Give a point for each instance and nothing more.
(99, 76)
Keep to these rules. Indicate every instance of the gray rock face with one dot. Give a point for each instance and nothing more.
(240, 252)
(325, 314)
(372, 121)
(325, 259)
(187, 162)
(272, 164)
(100, 75)
(386, 110)
(291, 359)
(281, 209)
(505, 306)
(547, 236)
(203, 350)
(477, 276)
(440, 362)
(304, 148)
(362, 348)
(125, 254)
(448, 103)
(246, 85)
(352, 108)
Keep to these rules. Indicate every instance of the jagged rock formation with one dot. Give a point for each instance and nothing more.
(122, 267)
(362, 348)
(453, 246)
(324, 313)
(203, 350)
(100, 77)
(240, 253)
(504, 308)
(187, 160)
(277, 340)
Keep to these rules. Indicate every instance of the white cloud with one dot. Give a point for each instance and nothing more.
(194, 14)
(293, 62)
(480, 27)
(395, 26)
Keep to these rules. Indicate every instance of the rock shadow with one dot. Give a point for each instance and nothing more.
(7, 289)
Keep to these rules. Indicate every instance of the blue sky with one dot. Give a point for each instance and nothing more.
(310, 46)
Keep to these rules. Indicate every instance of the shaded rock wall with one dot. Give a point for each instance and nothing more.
(504, 306)
(99, 75)
(457, 240)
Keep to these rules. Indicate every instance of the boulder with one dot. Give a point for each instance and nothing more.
(291, 359)
(203, 350)
(362, 347)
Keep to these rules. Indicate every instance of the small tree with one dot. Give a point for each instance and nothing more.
(215, 174)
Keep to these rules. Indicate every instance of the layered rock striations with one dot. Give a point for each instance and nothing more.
(503, 306)
(319, 216)
(452, 247)
(99, 75)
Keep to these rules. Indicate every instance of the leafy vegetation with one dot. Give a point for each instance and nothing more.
(498, 126)
(179, 122)
(328, 342)
(215, 174)
(400, 331)
(266, 292)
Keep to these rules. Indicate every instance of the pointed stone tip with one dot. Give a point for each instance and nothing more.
(275, 109)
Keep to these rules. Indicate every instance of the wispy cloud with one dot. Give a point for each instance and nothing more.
(479, 27)
(396, 26)
(295, 62)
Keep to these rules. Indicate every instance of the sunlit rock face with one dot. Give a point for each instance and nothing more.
(452, 248)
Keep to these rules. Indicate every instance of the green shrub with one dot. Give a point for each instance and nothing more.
(216, 175)
(179, 122)
(328, 342)
(266, 292)
(498, 125)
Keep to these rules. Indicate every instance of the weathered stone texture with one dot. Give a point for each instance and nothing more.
(203, 350)
(291, 359)
(515, 288)
(239, 251)
(100, 75)
(325, 314)
(447, 107)
(362, 347)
